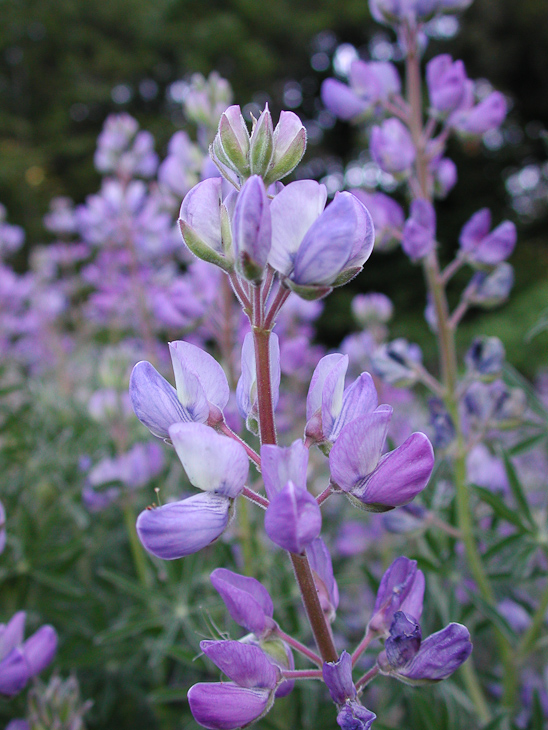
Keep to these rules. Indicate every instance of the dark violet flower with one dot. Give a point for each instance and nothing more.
(419, 231)
(247, 601)
(20, 660)
(316, 248)
(181, 528)
(338, 678)
(252, 229)
(329, 406)
(354, 716)
(387, 215)
(484, 247)
(322, 570)
(401, 589)
(446, 81)
(373, 481)
(280, 465)
(204, 221)
(202, 390)
(244, 700)
(392, 147)
(293, 518)
(415, 663)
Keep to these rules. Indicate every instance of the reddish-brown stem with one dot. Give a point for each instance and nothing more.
(327, 492)
(254, 497)
(301, 648)
(302, 673)
(240, 293)
(276, 305)
(367, 677)
(362, 646)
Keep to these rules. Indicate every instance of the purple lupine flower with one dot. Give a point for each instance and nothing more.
(338, 678)
(317, 248)
(246, 390)
(181, 528)
(354, 716)
(414, 662)
(329, 407)
(247, 601)
(394, 12)
(204, 221)
(486, 470)
(280, 465)
(392, 147)
(11, 237)
(252, 229)
(18, 725)
(492, 289)
(395, 361)
(419, 231)
(373, 481)
(372, 308)
(480, 246)
(181, 169)
(134, 469)
(227, 705)
(485, 357)
(387, 215)
(293, 518)
(206, 99)
(516, 615)
(446, 81)
(20, 660)
(444, 172)
(124, 150)
(490, 113)
(342, 101)
(322, 570)
(401, 589)
(213, 462)
(202, 390)
(441, 423)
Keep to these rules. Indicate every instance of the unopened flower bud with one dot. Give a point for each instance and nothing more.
(262, 145)
(231, 144)
(252, 229)
(490, 290)
(394, 362)
(289, 143)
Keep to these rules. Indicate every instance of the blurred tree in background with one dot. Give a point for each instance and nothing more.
(66, 64)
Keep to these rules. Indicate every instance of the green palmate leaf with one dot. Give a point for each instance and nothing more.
(500, 508)
(538, 719)
(62, 585)
(527, 444)
(491, 613)
(127, 585)
(517, 490)
(507, 542)
(131, 628)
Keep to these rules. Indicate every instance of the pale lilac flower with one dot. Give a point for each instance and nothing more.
(387, 215)
(492, 289)
(202, 390)
(372, 308)
(419, 231)
(490, 113)
(11, 237)
(484, 247)
(206, 99)
(181, 528)
(392, 147)
(486, 470)
(280, 465)
(181, 169)
(395, 362)
(369, 83)
(401, 589)
(322, 570)
(124, 150)
(247, 601)
(444, 171)
(342, 101)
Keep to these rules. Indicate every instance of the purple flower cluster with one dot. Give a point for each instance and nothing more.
(21, 660)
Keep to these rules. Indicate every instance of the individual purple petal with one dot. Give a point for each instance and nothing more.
(341, 100)
(358, 448)
(246, 390)
(245, 664)
(227, 706)
(213, 462)
(400, 475)
(446, 83)
(488, 114)
(338, 678)
(404, 640)
(374, 80)
(280, 465)
(392, 147)
(155, 401)
(252, 229)
(412, 604)
(354, 716)
(200, 214)
(475, 230)
(498, 245)
(331, 240)
(359, 399)
(293, 210)
(14, 673)
(419, 231)
(396, 585)
(293, 518)
(186, 357)
(40, 649)
(334, 363)
(440, 655)
(12, 633)
(181, 528)
(324, 578)
(387, 216)
(247, 600)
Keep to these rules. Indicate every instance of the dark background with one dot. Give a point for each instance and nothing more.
(61, 59)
